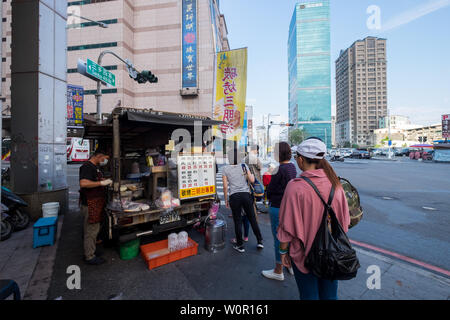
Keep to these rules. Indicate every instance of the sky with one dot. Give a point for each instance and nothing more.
(418, 51)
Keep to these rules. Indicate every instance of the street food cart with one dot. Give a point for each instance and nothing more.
(155, 188)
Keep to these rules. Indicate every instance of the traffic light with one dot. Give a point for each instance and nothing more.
(289, 124)
(145, 76)
(149, 76)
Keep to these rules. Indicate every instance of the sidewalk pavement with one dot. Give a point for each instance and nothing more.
(31, 268)
(224, 275)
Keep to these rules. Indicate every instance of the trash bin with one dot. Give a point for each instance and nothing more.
(215, 235)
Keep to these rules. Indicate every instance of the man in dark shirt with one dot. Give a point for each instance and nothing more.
(93, 199)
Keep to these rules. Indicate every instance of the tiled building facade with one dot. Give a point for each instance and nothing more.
(147, 32)
(6, 58)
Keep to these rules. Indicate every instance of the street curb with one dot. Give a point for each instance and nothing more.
(387, 160)
(399, 263)
(42, 275)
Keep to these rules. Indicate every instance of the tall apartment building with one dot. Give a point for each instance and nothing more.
(149, 33)
(310, 69)
(361, 91)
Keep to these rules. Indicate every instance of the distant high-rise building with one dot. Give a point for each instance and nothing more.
(310, 69)
(361, 91)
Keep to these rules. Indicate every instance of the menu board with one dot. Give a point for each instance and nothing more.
(196, 176)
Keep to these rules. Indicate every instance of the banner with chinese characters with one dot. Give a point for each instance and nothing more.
(189, 34)
(196, 176)
(231, 90)
(75, 99)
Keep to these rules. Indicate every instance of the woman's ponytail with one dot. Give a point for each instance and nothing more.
(329, 171)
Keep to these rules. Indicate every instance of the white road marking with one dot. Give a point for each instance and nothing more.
(429, 208)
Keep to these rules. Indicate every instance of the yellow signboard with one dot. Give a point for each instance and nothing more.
(197, 192)
(231, 90)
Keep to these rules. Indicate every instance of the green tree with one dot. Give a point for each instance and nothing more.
(355, 146)
(297, 136)
(347, 144)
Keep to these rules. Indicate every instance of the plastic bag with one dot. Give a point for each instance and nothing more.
(173, 242)
(182, 240)
(166, 201)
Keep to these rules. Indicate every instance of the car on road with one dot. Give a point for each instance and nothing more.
(397, 152)
(405, 152)
(376, 152)
(346, 153)
(361, 154)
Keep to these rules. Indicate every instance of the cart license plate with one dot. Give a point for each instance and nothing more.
(168, 218)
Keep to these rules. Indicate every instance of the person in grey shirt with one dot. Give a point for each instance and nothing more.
(240, 198)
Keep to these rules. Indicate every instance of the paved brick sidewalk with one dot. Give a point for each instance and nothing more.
(30, 268)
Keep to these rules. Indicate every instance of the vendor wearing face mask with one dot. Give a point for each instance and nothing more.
(93, 200)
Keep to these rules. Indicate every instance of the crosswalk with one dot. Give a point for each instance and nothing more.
(219, 186)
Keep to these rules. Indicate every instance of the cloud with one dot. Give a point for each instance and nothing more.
(413, 14)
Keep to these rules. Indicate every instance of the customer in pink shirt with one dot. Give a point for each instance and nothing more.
(301, 212)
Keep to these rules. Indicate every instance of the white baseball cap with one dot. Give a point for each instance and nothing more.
(312, 148)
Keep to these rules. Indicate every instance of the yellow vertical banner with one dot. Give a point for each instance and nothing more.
(231, 91)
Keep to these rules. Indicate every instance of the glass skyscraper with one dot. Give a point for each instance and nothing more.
(310, 69)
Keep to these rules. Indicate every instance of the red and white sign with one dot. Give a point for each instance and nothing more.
(446, 126)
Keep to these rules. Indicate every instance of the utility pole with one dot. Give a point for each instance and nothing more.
(389, 134)
(269, 124)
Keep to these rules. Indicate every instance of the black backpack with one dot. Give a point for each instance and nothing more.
(331, 256)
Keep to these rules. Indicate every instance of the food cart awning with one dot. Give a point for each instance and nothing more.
(136, 122)
(161, 117)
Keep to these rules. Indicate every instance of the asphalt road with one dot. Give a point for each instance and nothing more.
(406, 207)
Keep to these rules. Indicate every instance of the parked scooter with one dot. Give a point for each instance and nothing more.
(6, 227)
(18, 217)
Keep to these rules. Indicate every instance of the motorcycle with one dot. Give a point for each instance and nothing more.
(6, 227)
(19, 219)
(337, 159)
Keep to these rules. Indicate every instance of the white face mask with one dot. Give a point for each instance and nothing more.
(104, 163)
